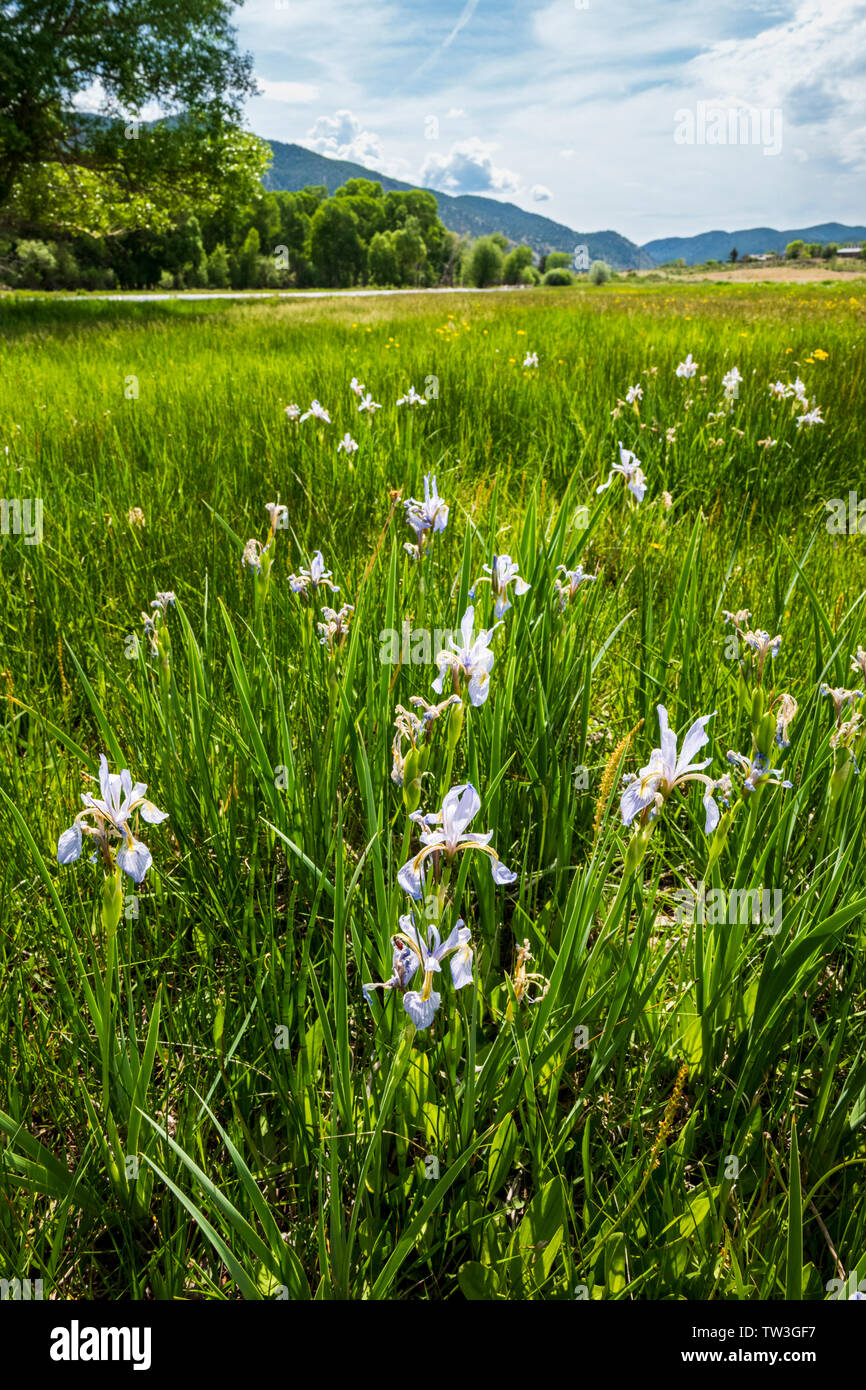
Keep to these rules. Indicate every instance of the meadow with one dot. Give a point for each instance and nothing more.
(627, 1089)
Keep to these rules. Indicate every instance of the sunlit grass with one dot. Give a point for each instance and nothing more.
(259, 1093)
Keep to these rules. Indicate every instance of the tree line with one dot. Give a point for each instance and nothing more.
(112, 201)
(360, 235)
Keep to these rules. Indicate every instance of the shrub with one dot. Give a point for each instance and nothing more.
(558, 276)
(599, 273)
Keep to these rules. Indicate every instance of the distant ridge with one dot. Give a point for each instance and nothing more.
(295, 166)
(717, 246)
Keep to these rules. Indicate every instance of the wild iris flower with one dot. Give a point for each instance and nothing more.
(756, 770)
(646, 794)
(760, 641)
(412, 952)
(472, 661)
(841, 698)
(318, 411)
(369, 404)
(313, 577)
(501, 573)
(687, 368)
(111, 814)
(335, 628)
(252, 556)
(430, 515)
(630, 468)
(446, 834)
(568, 590)
(412, 398)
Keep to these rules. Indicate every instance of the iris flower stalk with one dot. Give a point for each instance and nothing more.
(107, 820)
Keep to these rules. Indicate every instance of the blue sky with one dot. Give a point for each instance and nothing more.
(570, 107)
(651, 117)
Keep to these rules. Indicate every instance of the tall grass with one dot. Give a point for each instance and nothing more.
(202, 1103)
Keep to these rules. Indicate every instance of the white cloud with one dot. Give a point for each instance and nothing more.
(342, 136)
(539, 193)
(454, 113)
(468, 168)
(293, 93)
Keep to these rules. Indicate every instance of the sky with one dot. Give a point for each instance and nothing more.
(652, 118)
(597, 113)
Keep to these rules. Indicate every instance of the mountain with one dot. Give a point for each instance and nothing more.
(294, 167)
(717, 246)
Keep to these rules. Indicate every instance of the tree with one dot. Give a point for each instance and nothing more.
(183, 55)
(218, 268)
(364, 198)
(410, 250)
(171, 170)
(814, 250)
(335, 246)
(416, 203)
(734, 255)
(36, 264)
(382, 260)
(599, 273)
(516, 263)
(485, 263)
(794, 250)
(245, 265)
(557, 260)
(831, 250)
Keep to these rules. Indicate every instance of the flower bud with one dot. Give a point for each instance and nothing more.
(455, 726)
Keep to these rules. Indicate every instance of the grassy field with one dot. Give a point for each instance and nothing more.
(198, 1100)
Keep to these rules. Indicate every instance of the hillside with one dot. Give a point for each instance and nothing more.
(470, 215)
(716, 246)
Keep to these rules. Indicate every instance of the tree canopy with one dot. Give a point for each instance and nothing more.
(68, 169)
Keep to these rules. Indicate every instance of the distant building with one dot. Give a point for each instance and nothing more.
(850, 251)
(765, 256)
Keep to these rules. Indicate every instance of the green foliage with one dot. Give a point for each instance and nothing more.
(484, 263)
(517, 262)
(335, 244)
(794, 250)
(599, 273)
(218, 268)
(557, 276)
(382, 260)
(184, 56)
